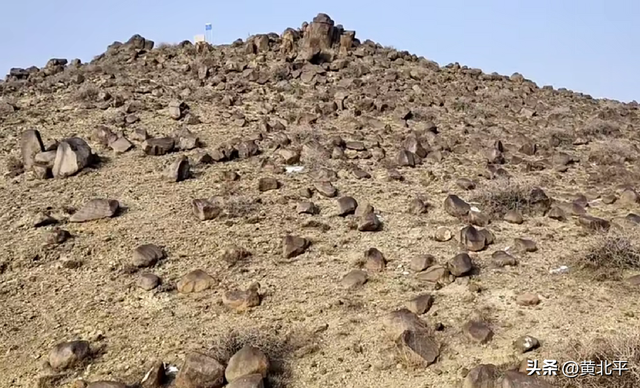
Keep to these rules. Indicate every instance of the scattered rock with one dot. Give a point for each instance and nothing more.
(374, 260)
(72, 155)
(525, 343)
(421, 262)
(478, 331)
(242, 300)
(482, 376)
(514, 217)
(195, 281)
(354, 279)
(420, 304)
(346, 206)
(205, 209)
(199, 371)
(147, 255)
(369, 223)
(326, 189)
(179, 170)
(442, 234)
(293, 246)
(460, 264)
(66, 355)
(158, 146)
(527, 299)
(522, 245)
(307, 207)
(96, 209)
(148, 281)
(267, 184)
(247, 361)
(455, 206)
(30, 146)
(472, 239)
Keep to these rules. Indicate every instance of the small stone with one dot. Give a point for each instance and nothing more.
(466, 184)
(420, 304)
(419, 345)
(609, 199)
(363, 209)
(442, 234)
(247, 361)
(406, 158)
(147, 255)
(527, 299)
(417, 207)
(472, 239)
(478, 331)
(96, 209)
(421, 262)
(514, 217)
(155, 377)
(200, 370)
(121, 145)
(267, 184)
(460, 264)
(455, 206)
(69, 354)
(72, 155)
(307, 207)
(139, 134)
(525, 343)
(250, 381)
(593, 223)
(374, 260)
(634, 280)
(58, 236)
(477, 218)
(522, 245)
(629, 197)
(346, 206)
(503, 259)
(326, 189)
(148, 281)
(205, 209)
(434, 274)
(512, 379)
(305, 192)
(293, 246)
(179, 170)
(242, 300)
(482, 376)
(106, 384)
(158, 146)
(557, 213)
(354, 279)
(30, 146)
(195, 281)
(369, 223)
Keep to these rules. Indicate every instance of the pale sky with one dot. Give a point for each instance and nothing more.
(590, 46)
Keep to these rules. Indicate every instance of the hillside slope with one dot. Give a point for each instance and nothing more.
(392, 176)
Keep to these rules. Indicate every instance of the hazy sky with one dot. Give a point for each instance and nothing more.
(591, 46)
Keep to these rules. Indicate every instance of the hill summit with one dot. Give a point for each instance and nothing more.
(312, 210)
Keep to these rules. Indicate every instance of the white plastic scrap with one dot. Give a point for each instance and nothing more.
(474, 209)
(291, 169)
(561, 269)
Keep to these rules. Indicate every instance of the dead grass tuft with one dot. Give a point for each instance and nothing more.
(278, 347)
(621, 347)
(612, 152)
(500, 196)
(596, 128)
(609, 256)
(87, 92)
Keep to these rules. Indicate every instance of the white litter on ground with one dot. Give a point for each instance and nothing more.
(474, 209)
(561, 269)
(291, 169)
(171, 369)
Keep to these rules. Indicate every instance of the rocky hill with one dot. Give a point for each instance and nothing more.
(311, 210)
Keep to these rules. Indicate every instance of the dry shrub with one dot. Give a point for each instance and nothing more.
(600, 128)
(504, 194)
(613, 152)
(87, 92)
(608, 256)
(621, 347)
(239, 206)
(607, 175)
(278, 347)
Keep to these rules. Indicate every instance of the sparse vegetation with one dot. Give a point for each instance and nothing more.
(610, 255)
(496, 198)
(598, 128)
(279, 348)
(87, 92)
(620, 347)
